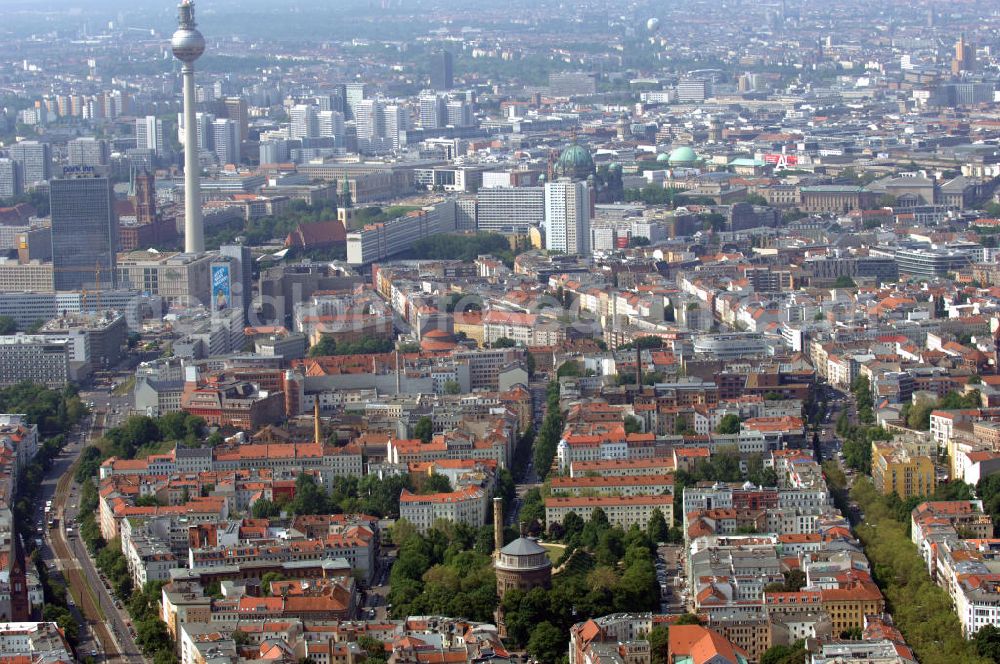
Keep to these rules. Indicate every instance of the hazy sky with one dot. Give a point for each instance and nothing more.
(253, 19)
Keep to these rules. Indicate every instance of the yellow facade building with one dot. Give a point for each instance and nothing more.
(896, 469)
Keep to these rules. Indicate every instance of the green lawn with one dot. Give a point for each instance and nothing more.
(555, 551)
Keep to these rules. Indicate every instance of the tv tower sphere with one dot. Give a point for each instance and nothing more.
(187, 43)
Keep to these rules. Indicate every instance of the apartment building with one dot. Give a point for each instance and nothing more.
(621, 511)
(467, 505)
(896, 470)
(35, 358)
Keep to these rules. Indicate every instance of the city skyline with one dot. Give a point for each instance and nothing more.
(500, 332)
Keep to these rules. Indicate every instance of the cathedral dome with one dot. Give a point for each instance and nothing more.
(683, 155)
(575, 162)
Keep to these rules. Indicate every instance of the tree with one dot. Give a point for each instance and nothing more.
(729, 424)
(570, 368)
(919, 416)
(886, 201)
(452, 387)
(267, 579)
(599, 518)
(165, 657)
(7, 325)
(795, 580)
(658, 529)
(572, 526)
(325, 346)
(309, 497)
(987, 642)
(463, 302)
(424, 429)
(688, 619)
(923, 611)
(712, 221)
(659, 639)
(653, 377)
(152, 635)
(844, 281)
(374, 647)
(180, 426)
(852, 633)
(504, 342)
(651, 194)
(532, 507)
(974, 379)
(367, 346)
(465, 247)
(794, 654)
(646, 342)
(632, 424)
(547, 439)
(436, 483)
(547, 643)
(62, 617)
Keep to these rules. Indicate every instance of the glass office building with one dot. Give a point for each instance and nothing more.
(84, 232)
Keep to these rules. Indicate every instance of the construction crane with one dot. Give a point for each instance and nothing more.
(84, 293)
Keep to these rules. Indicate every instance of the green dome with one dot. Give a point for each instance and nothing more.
(662, 157)
(683, 155)
(576, 157)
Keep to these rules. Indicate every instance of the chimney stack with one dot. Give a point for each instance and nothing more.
(638, 366)
(398, 375)
(317, 429)
(497, 525)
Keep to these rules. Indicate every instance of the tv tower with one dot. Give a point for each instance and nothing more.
(188, 45)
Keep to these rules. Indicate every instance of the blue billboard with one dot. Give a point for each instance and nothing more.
(222, 290)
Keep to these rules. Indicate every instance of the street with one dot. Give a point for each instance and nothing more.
(64, 571)
(105, 634)
(375, 605)
(670, 576)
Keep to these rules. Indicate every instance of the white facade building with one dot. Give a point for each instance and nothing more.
(567, 217)
(467, 505)
(149, 134)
